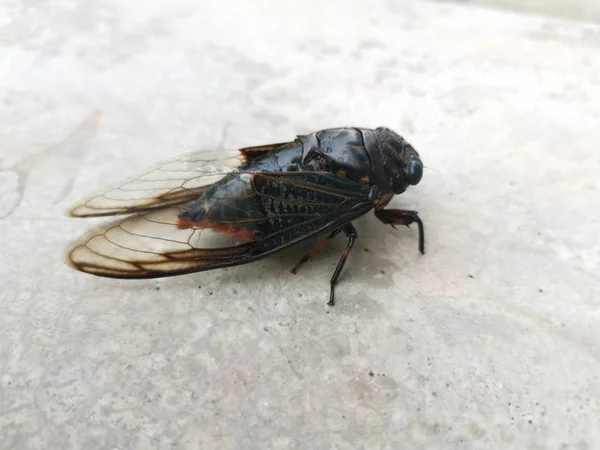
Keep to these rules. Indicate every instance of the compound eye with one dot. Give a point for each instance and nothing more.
(415, 172)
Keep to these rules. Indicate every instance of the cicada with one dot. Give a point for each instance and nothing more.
(213, 209)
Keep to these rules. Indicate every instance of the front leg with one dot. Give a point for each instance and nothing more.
(403, 217)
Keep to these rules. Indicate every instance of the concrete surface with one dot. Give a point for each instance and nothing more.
(584, 10)
(490, 340)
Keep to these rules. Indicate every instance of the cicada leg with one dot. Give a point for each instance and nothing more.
(313, 251)
(395, 217)
(351, 234)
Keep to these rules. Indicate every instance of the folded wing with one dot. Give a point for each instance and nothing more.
(171, 182)
(297, 206)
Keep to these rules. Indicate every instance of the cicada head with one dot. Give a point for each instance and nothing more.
(400, 160)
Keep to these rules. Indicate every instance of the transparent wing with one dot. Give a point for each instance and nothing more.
(171, 182)
(150, 244)
(297, 206)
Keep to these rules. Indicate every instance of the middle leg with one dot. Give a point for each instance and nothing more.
(351, 234)
(313, 251)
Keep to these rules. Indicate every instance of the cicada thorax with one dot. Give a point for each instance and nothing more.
(340, 151)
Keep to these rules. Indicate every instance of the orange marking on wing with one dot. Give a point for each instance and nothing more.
(184, 224)
(364, 179)
(342, 173)
(230, 230)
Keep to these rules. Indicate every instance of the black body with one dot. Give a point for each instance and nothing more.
(368, 165)
(281, 195)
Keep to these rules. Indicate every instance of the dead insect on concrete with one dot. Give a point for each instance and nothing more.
(209, 210)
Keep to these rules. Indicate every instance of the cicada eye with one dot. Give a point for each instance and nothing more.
(415, 172)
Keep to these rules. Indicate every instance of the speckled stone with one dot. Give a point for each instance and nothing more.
(490, 340)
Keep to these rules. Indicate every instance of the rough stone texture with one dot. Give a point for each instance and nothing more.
(490, 340)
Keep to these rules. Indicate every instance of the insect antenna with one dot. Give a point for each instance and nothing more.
(431, 168)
